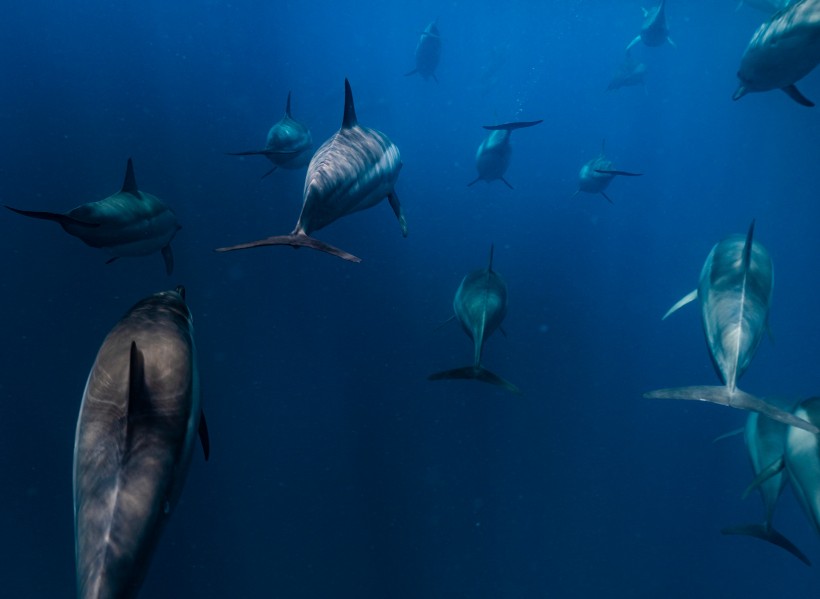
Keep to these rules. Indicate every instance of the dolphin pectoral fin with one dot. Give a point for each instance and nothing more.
(794, 94)
(270, 172)
(735, 399)
(477, 373)
(671, 43)
(740, 92)
(470, 184)
(769, 471)
(204, 439)
(168, 257)
(513, 126)
(686, 299)
(396, 206)
(62, 219)
(737, 431)
(622, 173)
(112, 259)
(295, 240)
(413, 72)
(440, 325)
(633, 42)
(761, 531)
(608, 199)
(507, 183)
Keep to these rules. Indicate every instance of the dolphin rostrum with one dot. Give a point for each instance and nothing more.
(138, 421)
(428, 53)
(480, 305)
(596, 175)
(654, 31)
(493, 155)
(735, 291)
(782, 51)
(289, 144)
(353, 170)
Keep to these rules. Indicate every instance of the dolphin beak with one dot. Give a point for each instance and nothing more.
(740, 92)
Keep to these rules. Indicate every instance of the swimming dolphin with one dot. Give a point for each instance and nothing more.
(289, 144)
(493, 155)
(428, 52)
(630, 72)
(735, 291)
(129, 223)
(782, 51)
(596, 175)
(480, 305)
(139, 417)
(654, 31)
(353, 170)
(765, 441)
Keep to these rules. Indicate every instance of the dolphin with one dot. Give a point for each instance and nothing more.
(139, 417)
(735, 292)
(353, 170)
(493, 155)
(128, 223)
(596, 175)
(765, 441)
(654, 31)
(630, 72)
(289, 144)
(480, 305)
(782, 51)
(428, 53)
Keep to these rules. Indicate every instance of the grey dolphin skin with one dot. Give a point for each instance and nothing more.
(765, 441)
(138, 422)
(128, 223)
(289, 144)
(353, 170)
(782, 51)
(493, 155)
(428, 53)
(480, 305)
(630, 72)
(735, 291)
(654, 31)
(596, 175)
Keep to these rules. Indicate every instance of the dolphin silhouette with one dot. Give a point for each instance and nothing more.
(493, 155)
(428, 53)
(596, 175)
(654, 31)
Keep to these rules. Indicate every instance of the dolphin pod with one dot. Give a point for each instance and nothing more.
(596, 175)
(428, 53)
(138, 420)
(493, 155)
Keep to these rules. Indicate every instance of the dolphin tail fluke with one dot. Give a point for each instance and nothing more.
(513, 126)
(735, 399)
(478, 373)
(633, 42)
(53, 216)
(295, 240)
(413, 72)
(795, 95)
(761, 531)
(622, 173)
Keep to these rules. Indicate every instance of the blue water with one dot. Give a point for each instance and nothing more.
(337, 469)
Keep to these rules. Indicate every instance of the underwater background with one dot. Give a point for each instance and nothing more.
(337, 469)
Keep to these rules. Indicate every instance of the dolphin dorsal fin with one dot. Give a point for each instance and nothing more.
(490, 265)
(129, 185)
(349, 119)
(287, 107)
(747, 247)
(136, 386)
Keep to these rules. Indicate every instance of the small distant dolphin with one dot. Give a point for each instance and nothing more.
(428, 53)
(782, 51)
(289, 144)
(493, 155)
(735, 291)
(129, 223)
(630, 72)
(353, 170)
(138, 420)
(480, 305)
(654, 31)
(596, 175)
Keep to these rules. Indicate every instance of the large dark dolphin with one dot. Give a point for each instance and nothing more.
(353, 170)
(138, 421)
(289, 144)
(654, 31)
(428, 53)
(493, 155)
(782, 51)
(735, 291)
(596, 175)
(129, 223)
(480, 305)
(630, 72)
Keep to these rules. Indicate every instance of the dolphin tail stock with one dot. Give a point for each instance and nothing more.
(62, 219)
(767, 533)
(794, 94)
(734, 398)
(622, 173)
(513, 126)
(477, 373)
(295, 240)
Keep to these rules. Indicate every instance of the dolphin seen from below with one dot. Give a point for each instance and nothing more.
(735, 292)
(428, 53)
(138, 421)
(128, 223)
(480, 305)
(596, 175)
(782, 51)
(630, 72)
(289, 144)
(493, 155)
(353, 170)
(654, 31)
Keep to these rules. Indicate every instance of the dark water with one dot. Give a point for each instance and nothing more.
(337, 469)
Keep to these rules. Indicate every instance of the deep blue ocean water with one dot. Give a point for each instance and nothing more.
(337, 469)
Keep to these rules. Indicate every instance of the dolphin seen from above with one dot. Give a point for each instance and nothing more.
(428, 53)
(735, 292)
(128, 223)
(654, 31)
(353, 170)
(782, 51)
(596, 175)
(480, 305)
(138, 421)
(630, 72)
(493, 155)
(289, 144)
